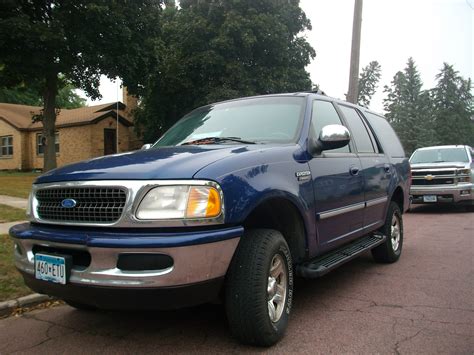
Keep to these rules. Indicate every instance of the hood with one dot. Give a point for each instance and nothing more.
(441, 165)
(181, 162)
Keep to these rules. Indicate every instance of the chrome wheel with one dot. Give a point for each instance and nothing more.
(276, 288)
(395, 232)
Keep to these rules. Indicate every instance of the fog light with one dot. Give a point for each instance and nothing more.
(465, 192)
(18, 249)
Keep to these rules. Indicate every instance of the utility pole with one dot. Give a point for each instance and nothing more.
(353, 91)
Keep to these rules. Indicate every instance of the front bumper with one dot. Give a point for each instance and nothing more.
(445, 194)
(198, 257)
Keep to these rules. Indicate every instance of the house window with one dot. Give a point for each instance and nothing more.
(6, 146)
(40, 143)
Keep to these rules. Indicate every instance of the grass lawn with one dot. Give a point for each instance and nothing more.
(11, 214)
(16, 184)
(11, 283)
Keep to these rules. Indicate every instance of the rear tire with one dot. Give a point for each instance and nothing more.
(390, 251)
(259, 288)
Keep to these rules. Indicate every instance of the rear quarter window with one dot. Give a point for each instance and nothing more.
(386, 135)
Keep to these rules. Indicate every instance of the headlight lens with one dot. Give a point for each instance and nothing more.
(464, 171)
(180, 202)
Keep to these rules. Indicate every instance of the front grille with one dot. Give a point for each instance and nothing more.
(438, 181)
(433, 172)
(93, 204)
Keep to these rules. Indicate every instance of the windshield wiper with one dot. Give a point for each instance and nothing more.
(211, 140)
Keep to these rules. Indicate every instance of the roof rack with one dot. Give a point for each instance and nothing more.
(319, 92)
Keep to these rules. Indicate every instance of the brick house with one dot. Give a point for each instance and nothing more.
(82, 133)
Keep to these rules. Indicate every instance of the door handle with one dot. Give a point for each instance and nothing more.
(386, 168)
(354, 170)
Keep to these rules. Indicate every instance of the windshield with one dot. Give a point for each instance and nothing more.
(439, 155)
(256, 120)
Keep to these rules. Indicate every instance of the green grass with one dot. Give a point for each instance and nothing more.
(16, 184)
(11, 214)
(11, 282)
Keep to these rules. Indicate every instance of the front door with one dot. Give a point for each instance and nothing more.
(338, 185)
(110, 141)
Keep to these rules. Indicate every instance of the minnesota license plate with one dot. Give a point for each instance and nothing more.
(52, 268)
(429, 198)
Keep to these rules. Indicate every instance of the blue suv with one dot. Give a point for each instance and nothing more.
(231, 203)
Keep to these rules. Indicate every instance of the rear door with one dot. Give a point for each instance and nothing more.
(338, 185)
(376, 169)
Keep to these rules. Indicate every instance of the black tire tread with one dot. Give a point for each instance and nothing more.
(247, 316)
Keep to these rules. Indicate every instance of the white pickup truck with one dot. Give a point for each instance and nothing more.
(443, 174)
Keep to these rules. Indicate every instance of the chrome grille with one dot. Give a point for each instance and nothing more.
(93, 204)
(443, 181)
(433, 172)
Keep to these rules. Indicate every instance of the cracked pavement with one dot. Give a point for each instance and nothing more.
(422, 304)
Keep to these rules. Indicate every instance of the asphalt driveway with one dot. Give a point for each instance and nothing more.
(422, 304)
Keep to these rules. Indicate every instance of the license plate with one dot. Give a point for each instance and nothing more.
(429, 198)
(52, 268)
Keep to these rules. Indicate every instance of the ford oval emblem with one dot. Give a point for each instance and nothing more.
(68, 203)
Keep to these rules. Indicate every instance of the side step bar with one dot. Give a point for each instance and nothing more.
(325, 263)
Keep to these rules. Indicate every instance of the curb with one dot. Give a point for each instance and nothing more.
(7, 307)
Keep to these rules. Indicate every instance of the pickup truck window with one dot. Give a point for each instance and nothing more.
(439, 155)
(358, 130)
(325, 114)
(274, 119)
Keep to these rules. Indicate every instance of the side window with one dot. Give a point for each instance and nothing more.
(358, 130)
(325, 114)
(386, 135)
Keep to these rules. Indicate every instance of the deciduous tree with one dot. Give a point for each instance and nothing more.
(215, 50)
(44, 40)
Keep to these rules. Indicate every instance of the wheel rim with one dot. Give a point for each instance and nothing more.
(395, 232)
(276, 288)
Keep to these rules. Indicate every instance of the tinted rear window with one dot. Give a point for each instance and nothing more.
(386, 135)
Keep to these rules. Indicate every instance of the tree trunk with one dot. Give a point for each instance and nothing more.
(49, 122)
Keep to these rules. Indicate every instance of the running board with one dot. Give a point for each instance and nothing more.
(323, 264)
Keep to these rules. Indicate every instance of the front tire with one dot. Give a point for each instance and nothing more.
(259, 288)
(390, 251)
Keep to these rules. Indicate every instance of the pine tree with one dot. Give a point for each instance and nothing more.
(409, 108)
(453, 108)
(368, 82)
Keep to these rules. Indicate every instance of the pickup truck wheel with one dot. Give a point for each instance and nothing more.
(259, 288)
(390, 251)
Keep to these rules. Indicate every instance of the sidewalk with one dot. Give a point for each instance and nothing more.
(5, 227)
(13, 201)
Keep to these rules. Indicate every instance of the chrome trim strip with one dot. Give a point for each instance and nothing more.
(342, 210)
(135, 190)
(351, 208)
(192, 264)
(376, 201)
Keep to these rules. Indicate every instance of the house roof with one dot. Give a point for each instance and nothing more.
(20, 116)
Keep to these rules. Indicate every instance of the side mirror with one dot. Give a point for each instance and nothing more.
(146, 146)
(332, 136)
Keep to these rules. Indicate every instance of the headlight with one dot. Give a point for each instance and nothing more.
(180, 202)
(464, 171)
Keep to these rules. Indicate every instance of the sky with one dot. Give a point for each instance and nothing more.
(430, 31)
